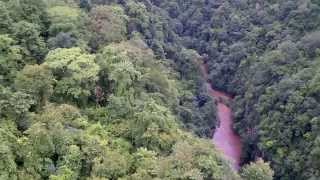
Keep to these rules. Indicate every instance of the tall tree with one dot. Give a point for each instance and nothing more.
(108, 23)
(28, 36)
(36, 80)
(76, 73)
(257, 171)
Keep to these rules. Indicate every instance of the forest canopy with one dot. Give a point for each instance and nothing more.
(84, 96)
(111, 89)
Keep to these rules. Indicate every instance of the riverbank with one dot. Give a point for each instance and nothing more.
(224, 138)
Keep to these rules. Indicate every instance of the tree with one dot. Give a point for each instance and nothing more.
(76, 72)
(69, 26)
(37, 81)
(63, 19)
(69, 166)
(108, 23)
(62, 40)
(145, 163)
(121, 73)
(28, 36)
(85, 4)
(11, 60)
(154, 127)
(111, 165)
(194, 159)
(5, 19)
(315, 156)
(257, 171)
(48, 148)
(124, 74)
(32, 11)
(8, 169)
(63, 173)
(15, 105)
(8, 148)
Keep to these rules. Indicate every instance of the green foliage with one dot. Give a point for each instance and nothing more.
(263, 53)
(154, 127)
(28, 36)
(37, 81)
(124, 74)
(194, 160)
(5, 18)
(68, 27)
(75, 71)
(257, 171)
(8, 167)
(32, 11)
(121, 83)
(14, 104)
(63, 19)
(10, 59)
(145, 163)
(108, 23)
(110, 165)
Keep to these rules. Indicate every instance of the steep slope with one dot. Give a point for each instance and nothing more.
(224, 137)
(82, 97)
(265, 53)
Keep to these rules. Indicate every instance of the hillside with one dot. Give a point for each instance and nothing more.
(264, 53)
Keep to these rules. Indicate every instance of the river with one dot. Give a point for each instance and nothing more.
(224, 138)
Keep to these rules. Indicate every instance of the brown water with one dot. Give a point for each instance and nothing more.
(224, 138)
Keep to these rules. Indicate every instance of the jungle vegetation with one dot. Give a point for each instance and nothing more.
(111, 89)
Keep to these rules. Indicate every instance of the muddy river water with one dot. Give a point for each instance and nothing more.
(224, 138)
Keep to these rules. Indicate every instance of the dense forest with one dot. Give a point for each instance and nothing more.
(264, 53)
(91, 90)
(111, 89)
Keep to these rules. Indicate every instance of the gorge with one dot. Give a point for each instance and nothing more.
(224, 137)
